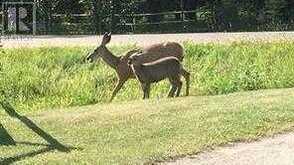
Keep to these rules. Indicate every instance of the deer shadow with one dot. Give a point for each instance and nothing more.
(5, 138)
(53, 144)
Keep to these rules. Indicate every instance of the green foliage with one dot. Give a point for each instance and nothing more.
(219, 69)
(34, 78)
(211, 15)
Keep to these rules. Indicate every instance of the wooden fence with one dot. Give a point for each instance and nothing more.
(177, 21)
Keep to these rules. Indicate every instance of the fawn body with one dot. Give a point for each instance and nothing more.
(165, 68)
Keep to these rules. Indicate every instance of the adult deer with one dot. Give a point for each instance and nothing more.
(148, 54)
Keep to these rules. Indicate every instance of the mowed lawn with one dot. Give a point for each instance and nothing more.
(144, 131)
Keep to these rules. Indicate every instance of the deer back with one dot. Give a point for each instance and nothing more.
(158, 51)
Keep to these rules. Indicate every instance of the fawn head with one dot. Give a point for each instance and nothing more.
(134, 60)
(101, 49)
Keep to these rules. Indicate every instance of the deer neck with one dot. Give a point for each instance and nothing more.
(137, 70)
(110, 59)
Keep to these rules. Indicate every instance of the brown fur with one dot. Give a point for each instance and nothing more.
(153, 72)
(120, 64)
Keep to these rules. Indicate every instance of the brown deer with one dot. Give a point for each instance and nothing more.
(148, 54)
(165, 68)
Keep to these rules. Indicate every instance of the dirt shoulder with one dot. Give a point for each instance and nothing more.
(270, 151)
(143, 40)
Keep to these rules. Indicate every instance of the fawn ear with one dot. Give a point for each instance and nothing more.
(106, 39)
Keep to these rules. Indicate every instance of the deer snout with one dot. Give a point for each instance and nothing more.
(130, 62)
(89, 58)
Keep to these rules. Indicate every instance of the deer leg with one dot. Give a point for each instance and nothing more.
(172, 91)
(180, 84)
(146, 90)
(118, 86)
(173, 88)
(186, 75)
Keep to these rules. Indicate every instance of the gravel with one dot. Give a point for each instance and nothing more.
(278, 150)
(143, 40)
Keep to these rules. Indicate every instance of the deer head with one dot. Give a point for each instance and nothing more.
(101, 49)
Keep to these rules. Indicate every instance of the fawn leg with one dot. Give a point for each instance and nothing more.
(173, 88)
(118, 86)
(186, 75)
(180, 84)
(172, 91)
(146, 90)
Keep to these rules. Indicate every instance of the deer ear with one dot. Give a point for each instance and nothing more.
(105, 35)
(106, 39)
(109, 37)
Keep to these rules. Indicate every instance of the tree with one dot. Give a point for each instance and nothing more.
(273, 9)
(217, 15)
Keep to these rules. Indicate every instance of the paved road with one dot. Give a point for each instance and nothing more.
(144, 40)
(278, 150)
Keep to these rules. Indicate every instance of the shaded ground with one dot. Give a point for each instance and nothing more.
(271, 151)
(6, 139)
(143, 40)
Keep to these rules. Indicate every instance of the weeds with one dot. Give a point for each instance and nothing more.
(35, 78)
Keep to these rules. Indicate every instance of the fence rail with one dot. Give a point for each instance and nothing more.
(129, 23)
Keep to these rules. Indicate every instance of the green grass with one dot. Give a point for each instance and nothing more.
(146, 131)
(40, 78)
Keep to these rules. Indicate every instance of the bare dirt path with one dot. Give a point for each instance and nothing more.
(143, 40)
(278, 150)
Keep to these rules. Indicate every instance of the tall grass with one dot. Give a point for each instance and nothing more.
(35, 78)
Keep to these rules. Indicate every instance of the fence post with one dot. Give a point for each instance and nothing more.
(96, 12)
(3, 18)
(134, 25)
(113, 17)
(34, 18)
(183, 15)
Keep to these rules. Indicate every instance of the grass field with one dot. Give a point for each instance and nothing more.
(44, 90)
(33, 79)
(140, 132)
